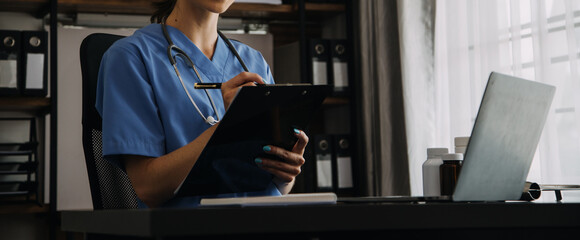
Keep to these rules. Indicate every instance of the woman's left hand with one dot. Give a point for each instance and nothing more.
(286, 169)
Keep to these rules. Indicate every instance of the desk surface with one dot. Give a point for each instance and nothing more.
(323, 218)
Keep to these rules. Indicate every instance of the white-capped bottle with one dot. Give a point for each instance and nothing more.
(431, 179)
(461, 144)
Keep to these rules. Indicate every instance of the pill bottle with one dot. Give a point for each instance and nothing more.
(449, 172)
(431, 179)
(461, 144)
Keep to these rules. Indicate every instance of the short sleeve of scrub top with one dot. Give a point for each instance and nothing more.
(145, 109)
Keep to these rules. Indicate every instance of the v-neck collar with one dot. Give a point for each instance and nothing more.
(210, 68)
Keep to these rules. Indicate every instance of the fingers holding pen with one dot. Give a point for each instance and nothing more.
(243, 78)
(230, 88)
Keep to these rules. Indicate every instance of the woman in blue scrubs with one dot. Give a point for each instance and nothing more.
(151, 128)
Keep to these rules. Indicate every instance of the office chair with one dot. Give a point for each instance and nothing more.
(110, 186)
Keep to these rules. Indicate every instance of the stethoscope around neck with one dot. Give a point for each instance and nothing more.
(180, 53)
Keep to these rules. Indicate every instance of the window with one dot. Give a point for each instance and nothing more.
(535, 40)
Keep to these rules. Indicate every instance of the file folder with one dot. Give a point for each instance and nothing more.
(34, 63)
(9, 62)
(318, 58)
(339, 64)
(343, 161)
(323, 155)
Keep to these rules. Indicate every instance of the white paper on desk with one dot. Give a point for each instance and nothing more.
(8, 74)
(35, 71)
(289, 199)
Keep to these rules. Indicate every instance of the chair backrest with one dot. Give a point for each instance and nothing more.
(110, 186)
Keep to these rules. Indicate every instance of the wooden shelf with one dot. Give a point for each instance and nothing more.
(136, 7)
(143, 7)
(24, 103)
(33, 7)
(282, 12)
(19, 208)
(331, 101)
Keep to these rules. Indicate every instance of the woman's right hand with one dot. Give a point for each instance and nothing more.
(231, 87)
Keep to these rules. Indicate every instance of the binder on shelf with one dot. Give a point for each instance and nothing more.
(34, 63)
(318, 59)
(343, 161)
(340, 56)
(9, 62)
(323, 156)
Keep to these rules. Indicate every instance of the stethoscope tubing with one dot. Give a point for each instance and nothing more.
(172, 47)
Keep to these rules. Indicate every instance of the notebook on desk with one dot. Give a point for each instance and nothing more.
(503, 141)
(284, 200)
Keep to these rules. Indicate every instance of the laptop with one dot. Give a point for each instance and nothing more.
(503, 141)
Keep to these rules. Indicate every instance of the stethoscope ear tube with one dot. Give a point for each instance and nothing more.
(179, 52)
(234, 51)
(171, 59)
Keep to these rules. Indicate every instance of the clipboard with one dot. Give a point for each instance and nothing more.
(258, 116)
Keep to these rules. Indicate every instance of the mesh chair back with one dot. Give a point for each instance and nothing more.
(110, 186)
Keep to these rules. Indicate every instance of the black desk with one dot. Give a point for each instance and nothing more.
(354, 221)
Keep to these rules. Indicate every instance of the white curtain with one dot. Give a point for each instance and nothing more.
(416, 37)
(534, 39)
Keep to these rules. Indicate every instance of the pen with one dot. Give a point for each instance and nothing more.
(207, 85)
(213, 85)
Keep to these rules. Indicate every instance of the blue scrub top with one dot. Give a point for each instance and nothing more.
(145, 109)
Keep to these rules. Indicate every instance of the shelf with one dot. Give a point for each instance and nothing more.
(25, 103)
(15, 153)
(282, 12)
(134, 7)
(19, 172)
(14, 193)
(330, 101)
(14, 206)
(143, 7)
(34, 7)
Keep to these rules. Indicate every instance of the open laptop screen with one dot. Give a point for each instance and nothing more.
(504, 139)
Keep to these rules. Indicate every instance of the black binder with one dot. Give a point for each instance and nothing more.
(340, 55)
(343, 162)
(258, 116)
(9, 62)
(34, 63)
(319, 56)
(323, 150)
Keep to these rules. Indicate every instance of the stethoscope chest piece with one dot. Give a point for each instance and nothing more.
(211, 121)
